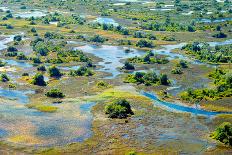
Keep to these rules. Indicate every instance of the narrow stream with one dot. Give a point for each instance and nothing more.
(181, 108)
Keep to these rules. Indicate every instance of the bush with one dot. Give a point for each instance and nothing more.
(4, 78)
(128, 66)
(82, 71)
(223, 133)
(2, 63)
(54, 72)
(118, 109)
(144, 43)
(220, 35)
(182, 64)
(18, 38)
(41, 68)
(55, 93)
(177, 71)
(11, 49)
(102, 84)
(38, 79)
(97, 38)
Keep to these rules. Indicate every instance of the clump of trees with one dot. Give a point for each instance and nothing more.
(38, 79)
(149, 78)
(144, 43)
(149, 58)
(204, 52)
(223, 133)
(82, 71)
(118, 109)
(55, 93)
(97, 39)
(223, 82)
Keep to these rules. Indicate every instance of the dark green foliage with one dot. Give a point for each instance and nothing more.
(223, 133)
(97, 39)
(2, 63)
(203, 52)
(82, 71)
(4, 78)
(18, 38)
(21, 56)
(54, 72)
(149, 78)
(118, 109)
(144, 43)
(182, 64)
(223, 82)
(11, 49)
(164, 79)
(220, 35)
(55, 93)
(149, 58)
(177, 70)
(38, 79)
(128, 66)
(41, 48)
(41, 68)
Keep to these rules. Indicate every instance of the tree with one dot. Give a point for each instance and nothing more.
(223, 133)
(144, 43)
(118, 109)
(4, 78)
(128, 66)
(54, 72)
(164, 79)
(38, 79)
(18, 38)
(55, 93)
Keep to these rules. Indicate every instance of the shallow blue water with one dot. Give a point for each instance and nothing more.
(111, 56)
(204, 20)
(103, 20)
(181, 108)
(20, 96)
(21, 64)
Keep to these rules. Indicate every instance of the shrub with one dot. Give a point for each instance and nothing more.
(144, 43)
(2, 63)
(118, 109)
(41, 68)
(18, 38)
(55, 93)
(54, 72)
(128, 66)
(11, 49)
(164, 79)
(102, 84)
(177, 71)
(223, 133)
(82, 71)
(220, 35)
(97, 38)
(38, 79)
(4, 78)
(182, 64)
